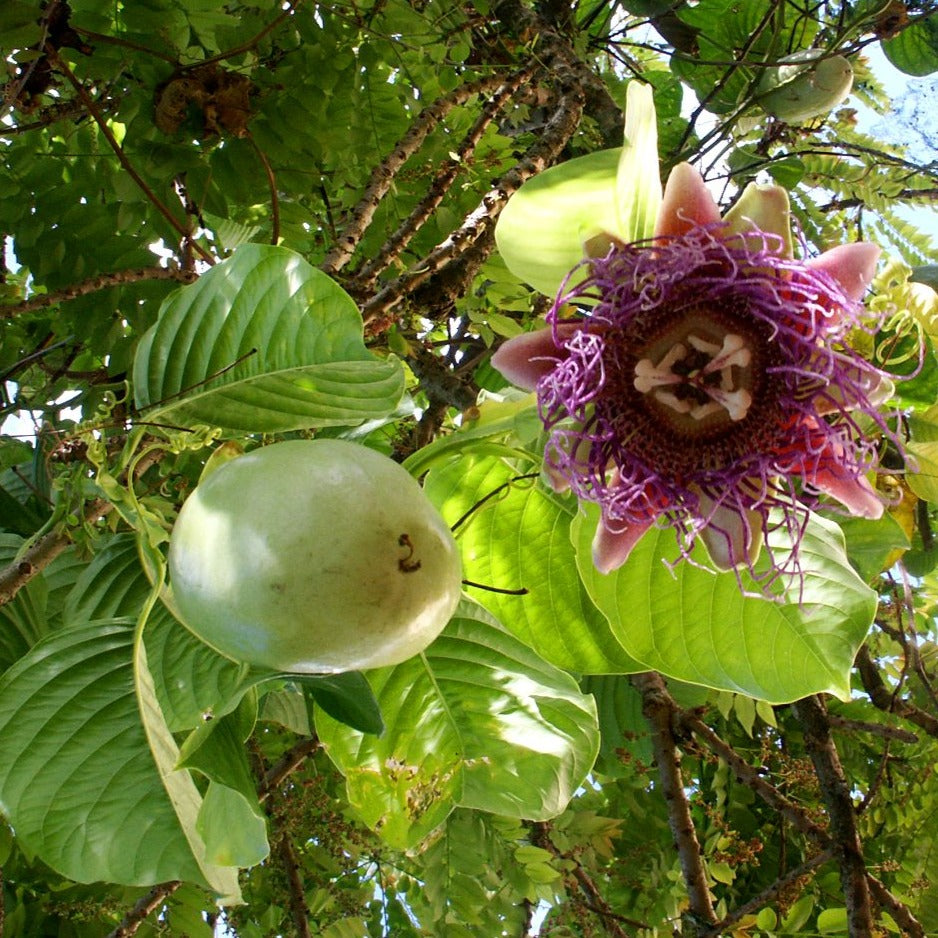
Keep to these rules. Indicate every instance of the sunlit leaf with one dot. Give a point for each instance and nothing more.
(262, 342)
(699, 626)
(519, 538)
(500, 730)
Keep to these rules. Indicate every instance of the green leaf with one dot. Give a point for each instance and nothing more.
(234, 831)
(77, 779)
(870, 543)
(192, 681)
(699, 627)
(346, 697)
(915, 50)
(621, 723)
(832, 922)
(177, 783)
(521, 539)
(500, 730)
(542, 230)
(263, 342)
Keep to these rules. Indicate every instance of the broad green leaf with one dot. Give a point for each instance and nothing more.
(542, 230)
(178, 783)
(262, 342)
(234, 831)
(915, 50)
(832, 922)
(346, 697)
(478, 720)
(192, 681)
(77, 779)
(521, 539)
(870, 543)
(621, 723)
(699, 627)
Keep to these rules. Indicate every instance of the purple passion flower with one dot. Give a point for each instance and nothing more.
(708, 383)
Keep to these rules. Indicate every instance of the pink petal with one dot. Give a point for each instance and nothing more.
(851, 265)
(686, 203)
(611, 549)
(855, 494)
(525, 359)
(731, 537)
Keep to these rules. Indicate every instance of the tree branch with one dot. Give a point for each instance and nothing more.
(383, 175)
(93, 285)
(659, 711)
(812, 715)
(144, 906)
(900, 913)
(396, 243)
(750, 777)
(883, 699)
(480, 222)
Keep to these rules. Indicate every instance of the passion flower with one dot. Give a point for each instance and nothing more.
(707, 381)
(313, 556)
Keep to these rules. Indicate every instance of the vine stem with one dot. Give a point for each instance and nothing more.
(45, 549)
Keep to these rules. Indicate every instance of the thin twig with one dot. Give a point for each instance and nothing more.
(596, 903)
(272, 186)
(659, 711)
(883, 699)
(876, 729)
(289, 762)
(768, 894)
(750, 777)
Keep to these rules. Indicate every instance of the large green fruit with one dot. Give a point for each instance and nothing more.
(313, 556)
(807, 85)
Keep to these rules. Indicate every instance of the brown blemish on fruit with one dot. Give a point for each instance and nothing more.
(407, 564)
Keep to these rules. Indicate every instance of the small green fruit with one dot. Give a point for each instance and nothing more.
(313, 556)
(809, 84)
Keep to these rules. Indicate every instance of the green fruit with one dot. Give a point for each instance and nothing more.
(807, 85)
(313, 556)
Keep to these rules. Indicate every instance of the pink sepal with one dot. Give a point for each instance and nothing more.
(732, 537)
(853, 266)
(685, 204)
(525, 359)
(611, 549)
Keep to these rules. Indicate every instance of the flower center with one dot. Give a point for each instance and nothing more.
(698, 375)
(692, 390)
